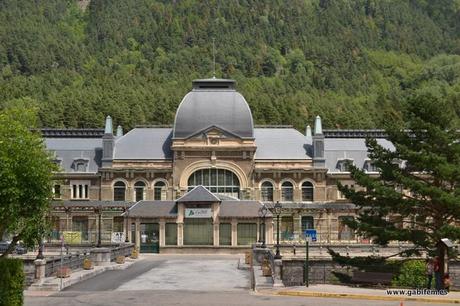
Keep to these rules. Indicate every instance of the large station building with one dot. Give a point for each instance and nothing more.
(203, 181)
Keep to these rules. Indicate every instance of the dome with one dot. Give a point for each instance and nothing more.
(213, 102)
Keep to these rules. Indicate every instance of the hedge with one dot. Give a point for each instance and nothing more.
(11, 282)
(412, 275)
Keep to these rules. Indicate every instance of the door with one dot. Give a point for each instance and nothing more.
(150, 238)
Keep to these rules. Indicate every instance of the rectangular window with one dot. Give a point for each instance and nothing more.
(80, 224)
(247, 233)
(139, 194)
(287, 228)
(55, 228)
(170, 234)
(106, 229)
(118, 223)
(267, 194)
(307, 223)
(57, 191)
(345, 232)
(157, 193)
(133, 233)
(225, 234)
(287, 194)
(80, 191)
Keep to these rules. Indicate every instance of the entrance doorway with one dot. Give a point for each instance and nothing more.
(150, 238)
(198, 231)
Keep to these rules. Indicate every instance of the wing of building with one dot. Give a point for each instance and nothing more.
(203, 181)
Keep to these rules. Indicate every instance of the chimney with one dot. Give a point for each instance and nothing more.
(318, 145)
(108, 142)
(308, 135)
(119, 131)
(318, 126)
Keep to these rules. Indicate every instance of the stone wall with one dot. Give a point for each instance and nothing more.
(454, 273)
(321, 272)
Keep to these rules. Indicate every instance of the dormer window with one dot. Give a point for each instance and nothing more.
(80, 165)
(57, 161)
(398, 162)
(369, 166)
(343, 165)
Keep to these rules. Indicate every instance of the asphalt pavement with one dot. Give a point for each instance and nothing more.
(181, 280)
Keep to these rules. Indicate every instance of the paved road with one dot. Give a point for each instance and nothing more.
(180, 280)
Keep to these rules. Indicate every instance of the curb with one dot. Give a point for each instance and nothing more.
(366, 297)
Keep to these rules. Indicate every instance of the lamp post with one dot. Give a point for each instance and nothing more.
(262, 213)
(40, 250)
(127, 224)
(277, 208)
(99, 242)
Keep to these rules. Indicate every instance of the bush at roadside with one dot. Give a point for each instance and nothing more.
(412, 275)
(11, 282)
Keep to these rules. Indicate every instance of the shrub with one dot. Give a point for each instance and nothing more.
(11, 282)
(412, 274)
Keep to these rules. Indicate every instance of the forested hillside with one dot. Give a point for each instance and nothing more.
(354, 62)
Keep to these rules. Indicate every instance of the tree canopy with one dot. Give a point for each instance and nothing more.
(25, 178)
(354, 62)
(416, 197)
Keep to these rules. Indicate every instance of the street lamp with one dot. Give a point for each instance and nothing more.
(277, 208)
(127, 224)
(99, 211)
(40, 250)
(262, 213)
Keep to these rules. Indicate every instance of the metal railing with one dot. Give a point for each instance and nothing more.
(84, 237)
(122, 250)
(73, 261)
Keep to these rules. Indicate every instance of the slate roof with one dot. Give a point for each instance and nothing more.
(198, 194)
(90, 203)
(280, 143)
(153, 209)
(248, 209)
(68, 150)
(314, 205)
(144, 143)
(336, 149)
(208, 105)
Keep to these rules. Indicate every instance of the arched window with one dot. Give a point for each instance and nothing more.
(159, 191)
(266, 191)
(119, 191)
(139, 191)
(307, 191)
(287, 192)
(216, 180)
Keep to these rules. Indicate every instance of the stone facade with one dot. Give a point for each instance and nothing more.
(106, 173)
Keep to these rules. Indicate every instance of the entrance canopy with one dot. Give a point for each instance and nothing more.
(223, 206)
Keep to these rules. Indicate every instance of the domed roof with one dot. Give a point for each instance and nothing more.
(213, 102)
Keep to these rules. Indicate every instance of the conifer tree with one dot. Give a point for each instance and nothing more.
(416, 197)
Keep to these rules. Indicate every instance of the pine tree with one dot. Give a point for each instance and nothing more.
(416, 197)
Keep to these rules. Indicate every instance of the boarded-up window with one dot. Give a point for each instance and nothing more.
(198, 232)
(247, 233)
(171, 234)
(225, 234)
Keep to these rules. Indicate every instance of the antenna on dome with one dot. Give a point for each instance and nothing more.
(213, 58)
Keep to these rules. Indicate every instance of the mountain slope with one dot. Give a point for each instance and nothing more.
(352, 62)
